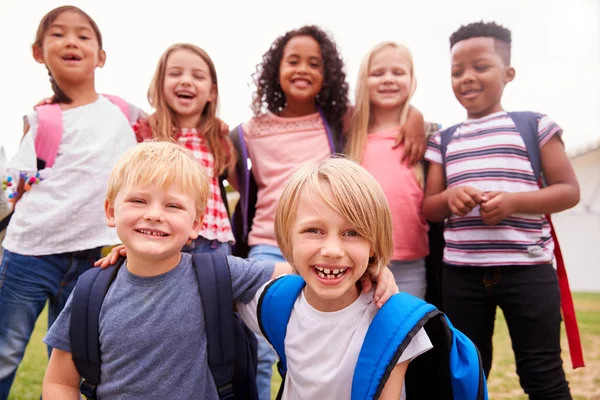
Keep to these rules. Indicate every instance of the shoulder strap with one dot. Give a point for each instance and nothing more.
(49, 133)
(274, 310)
(243, 173)
(122, 104)
(84, 330)
(333, 134)
(214, 281)
(390, 332)
(445, 139)
(527, 125)
(5, 221)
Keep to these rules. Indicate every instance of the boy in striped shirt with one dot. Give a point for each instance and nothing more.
(499, 250)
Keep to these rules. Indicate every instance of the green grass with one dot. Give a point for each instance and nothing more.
(503, 382)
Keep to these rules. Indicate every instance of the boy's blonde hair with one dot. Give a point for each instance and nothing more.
(356, 195)
(163, 124)
(162, 164)
(361, 117)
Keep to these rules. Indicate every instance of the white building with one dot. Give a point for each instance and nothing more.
(578, 229)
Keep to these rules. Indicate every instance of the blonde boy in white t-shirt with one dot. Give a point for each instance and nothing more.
(333, 225)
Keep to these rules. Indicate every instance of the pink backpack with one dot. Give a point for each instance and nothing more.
(49, 131)
(48, 137)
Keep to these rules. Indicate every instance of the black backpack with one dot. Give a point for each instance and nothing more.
(231, 349)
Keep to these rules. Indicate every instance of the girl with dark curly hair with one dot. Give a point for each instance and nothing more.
(300, 105)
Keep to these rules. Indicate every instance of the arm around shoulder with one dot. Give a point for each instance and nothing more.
(61, 380)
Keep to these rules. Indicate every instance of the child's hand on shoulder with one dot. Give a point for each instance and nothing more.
(112, 257)
(414, 137)
(462, 199)
(44, 102)
(496, 206)
(384, 289)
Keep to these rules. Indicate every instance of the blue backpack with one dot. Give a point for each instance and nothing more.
(231, 349)
(451, 370)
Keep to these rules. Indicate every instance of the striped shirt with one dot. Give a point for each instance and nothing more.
(489, 154)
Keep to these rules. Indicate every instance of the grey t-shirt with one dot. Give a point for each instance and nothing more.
(152, 332)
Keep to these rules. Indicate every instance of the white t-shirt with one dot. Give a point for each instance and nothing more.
(65, 211)
(322, 347)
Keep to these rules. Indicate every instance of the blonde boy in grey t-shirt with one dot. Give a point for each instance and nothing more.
(152, 334)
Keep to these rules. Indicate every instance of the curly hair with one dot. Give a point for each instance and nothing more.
(333, 97)
(485, 29)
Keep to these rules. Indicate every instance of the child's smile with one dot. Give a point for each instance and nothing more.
(70, 48)
(301, 71)
(330, 274)
(479, 75)
(153, 222)
(328, 252)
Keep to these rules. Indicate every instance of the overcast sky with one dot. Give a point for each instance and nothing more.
(556, 50)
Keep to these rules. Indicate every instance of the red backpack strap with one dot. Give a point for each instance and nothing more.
(49, 133)
(567, 306)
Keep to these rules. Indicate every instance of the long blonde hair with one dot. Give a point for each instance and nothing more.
(361, 117)
(163, 121)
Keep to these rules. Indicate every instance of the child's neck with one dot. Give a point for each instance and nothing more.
(331, 305)
(145, 267)
(495, 108)
(188, 121)
(295, 109)
(385, 120)
(79, 93)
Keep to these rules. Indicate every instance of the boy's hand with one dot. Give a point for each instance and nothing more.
(462, 199)
(496, 206)
(412, 134)
(386, 286)
(112, 258)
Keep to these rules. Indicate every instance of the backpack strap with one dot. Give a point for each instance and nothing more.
(274, 309)
(50, 127)
(5, 221)
(84, 330)
(333, 136)
(527, 125)
(122, 104)
(243, 173)
(48, 135)
(445, 139)
(390, 332)
(214, 280)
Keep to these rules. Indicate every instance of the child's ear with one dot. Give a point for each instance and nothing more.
(38, 53)
(101, 59)
(196, 228)
(509, 74)
(213, 93)
(109, 210)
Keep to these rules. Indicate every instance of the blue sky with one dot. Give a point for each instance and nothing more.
(556, 50)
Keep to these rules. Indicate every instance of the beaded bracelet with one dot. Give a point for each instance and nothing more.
(7, 184)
